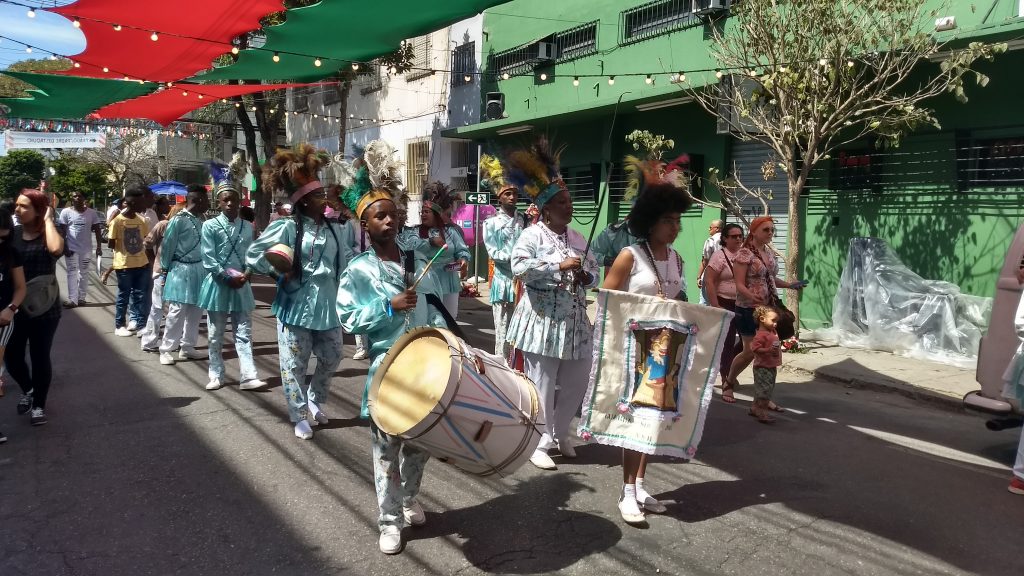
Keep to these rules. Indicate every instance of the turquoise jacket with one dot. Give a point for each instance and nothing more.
(364, 293)
(443, 276)
(181, 258)
(610, 242)
(224, 246)
(500, 234)
(307, 301)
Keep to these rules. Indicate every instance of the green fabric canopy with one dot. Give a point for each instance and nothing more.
(70, 97)
(340, 32)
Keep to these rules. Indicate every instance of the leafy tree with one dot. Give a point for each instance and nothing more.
(75, 173)
(128, 158)
(821, 74)
(20, 169)
(13, 88)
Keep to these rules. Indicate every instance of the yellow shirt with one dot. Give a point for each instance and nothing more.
(128, 234)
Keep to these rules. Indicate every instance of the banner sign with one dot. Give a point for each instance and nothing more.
(37, 140)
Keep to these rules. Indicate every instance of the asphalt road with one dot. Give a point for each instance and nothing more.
(141, 471)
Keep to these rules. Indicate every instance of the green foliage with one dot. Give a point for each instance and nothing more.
(13, 88)
(74, 173)
(20, 169)
(653, 146)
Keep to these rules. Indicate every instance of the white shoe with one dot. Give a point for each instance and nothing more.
(650, 504)
(190, 354)
(166, 359)
(541, 460)
(316, 413)
(122, 331)
(133, 326)
(359, 355)
(630, 511)
(214, 384)
(302, 430)
(252, 384)
(566, 449)
(414, 515)
(390, 540)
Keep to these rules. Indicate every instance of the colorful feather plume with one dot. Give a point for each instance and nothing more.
(491, 173)
(441, 195)
(534, 170)
(359, 187)
(237, 168)
(642, 174)
(344, 171)
(385, 170)
(290, 169)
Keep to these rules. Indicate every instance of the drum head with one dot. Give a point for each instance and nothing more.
(414, 379)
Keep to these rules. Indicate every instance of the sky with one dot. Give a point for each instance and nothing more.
(46, 31)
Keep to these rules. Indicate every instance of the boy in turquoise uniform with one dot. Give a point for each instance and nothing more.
(307, 317)
(374, 299)
(500, 234)
(181, 259)
(226, 293)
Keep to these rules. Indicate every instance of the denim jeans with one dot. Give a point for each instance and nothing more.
(131, 286)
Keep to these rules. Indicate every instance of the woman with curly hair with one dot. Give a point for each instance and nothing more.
(650, 267)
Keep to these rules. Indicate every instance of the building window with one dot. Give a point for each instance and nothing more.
(990, 162)
(463, 64)
(332, 94)
(855, 170)
(656, 18)
(576, 42)
(421, 60)
(300, 99)
(372, 81)
(417, 166)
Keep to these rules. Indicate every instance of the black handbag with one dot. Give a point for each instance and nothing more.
(786, 326)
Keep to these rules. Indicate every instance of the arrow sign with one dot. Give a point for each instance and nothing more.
(479, 198)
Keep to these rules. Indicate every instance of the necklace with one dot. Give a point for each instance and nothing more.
(654, 266)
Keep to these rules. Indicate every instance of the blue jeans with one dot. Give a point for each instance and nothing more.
(131, 286)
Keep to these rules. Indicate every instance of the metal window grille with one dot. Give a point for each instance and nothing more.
(577, 42)
(372, 81)
(463, 63)
(514, 61)
(990, 162)
(332, 94)
(421, 60)
(300, 99)
(417, 166)
(656, 18)
(580, 182)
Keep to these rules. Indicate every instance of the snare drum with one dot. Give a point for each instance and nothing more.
(459, 404)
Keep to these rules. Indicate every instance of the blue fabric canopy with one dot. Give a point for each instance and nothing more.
(169, 188)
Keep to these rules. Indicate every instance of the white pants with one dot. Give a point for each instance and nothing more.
(451, 303)
(502, 313)
(182, 327)
(561, 385)
(78, 274)
(151, 333)
(1018, 465)
(362, 343)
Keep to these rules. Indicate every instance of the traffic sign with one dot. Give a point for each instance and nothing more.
(478, 198)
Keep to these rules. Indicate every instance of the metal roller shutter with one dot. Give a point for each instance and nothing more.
(748, 158)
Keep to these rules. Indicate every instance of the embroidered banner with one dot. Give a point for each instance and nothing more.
(655, 364)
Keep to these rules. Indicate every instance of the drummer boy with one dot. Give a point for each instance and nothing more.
(374, 299)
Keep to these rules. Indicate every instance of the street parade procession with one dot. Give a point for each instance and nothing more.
(609, 286)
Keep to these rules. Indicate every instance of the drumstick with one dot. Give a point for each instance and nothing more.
(427, 267)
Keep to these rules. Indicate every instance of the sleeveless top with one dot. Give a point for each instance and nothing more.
(643, 280)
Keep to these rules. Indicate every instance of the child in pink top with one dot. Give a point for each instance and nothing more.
(767, 358)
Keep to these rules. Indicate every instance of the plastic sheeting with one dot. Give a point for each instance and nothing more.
(883, 305)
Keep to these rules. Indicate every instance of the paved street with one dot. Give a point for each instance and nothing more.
(141, 471)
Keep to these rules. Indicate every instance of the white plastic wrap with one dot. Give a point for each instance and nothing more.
(883, 305)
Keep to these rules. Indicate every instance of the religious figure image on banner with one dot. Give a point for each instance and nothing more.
(655, 364)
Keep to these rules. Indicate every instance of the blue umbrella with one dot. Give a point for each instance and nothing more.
(169, 188)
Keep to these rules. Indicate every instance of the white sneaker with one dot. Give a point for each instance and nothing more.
(214, 384)
(390, 540)
(541, 460)
(166, 359)
(318, 415)
(302, 430)
(190, 354)
(133, 326)
(359, 355)
(630, 511)
(252, 384)
(122, 331)
(414, 515)
(651, 504)
(566, 449)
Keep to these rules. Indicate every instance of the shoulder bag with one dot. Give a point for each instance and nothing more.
(786, 327)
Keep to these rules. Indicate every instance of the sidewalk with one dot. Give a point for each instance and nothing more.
(867, 369)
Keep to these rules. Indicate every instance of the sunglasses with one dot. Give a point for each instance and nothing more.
(769, 230)
(735, 236)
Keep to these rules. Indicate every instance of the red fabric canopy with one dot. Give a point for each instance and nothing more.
(169, 104)
(131, 52)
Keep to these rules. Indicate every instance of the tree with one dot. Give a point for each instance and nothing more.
(75, 173)
(20, 169)
(11, 87)
(819, 74)
(129, 158)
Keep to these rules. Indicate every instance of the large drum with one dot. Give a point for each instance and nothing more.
(461, 405)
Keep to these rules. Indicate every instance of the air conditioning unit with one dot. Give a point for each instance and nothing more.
(460, 172)
(710, 7)
(546, 51)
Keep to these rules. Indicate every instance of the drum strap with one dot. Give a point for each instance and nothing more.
(432, 299)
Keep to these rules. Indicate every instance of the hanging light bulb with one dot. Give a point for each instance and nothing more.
(276, 57)
(184, 93)
(154, 37)
(576, 81)
(718, 74)
(317, 63)
(611, 80)
(234, 50)
(360, 121)
(223, 100)
(355, 66)
(253, 108)
(649, 80)
(237, 105)
(117, 27)
(393, 70)
(77, 23)
(315, 116)
(78, 65)
(53, 56)
(105, 69)
(467, 78)
(273, 110)
(200, 95)
(351, 115)
(28, 49)
(543, 76)
(31, 13)
(504, 76)
(682, 76)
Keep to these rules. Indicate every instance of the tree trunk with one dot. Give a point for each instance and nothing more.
(256, 194)
(343, 91)
(793, 250)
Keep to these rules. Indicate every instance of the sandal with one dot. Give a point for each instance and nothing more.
(762, 417)
(775, 407)
(727, 395)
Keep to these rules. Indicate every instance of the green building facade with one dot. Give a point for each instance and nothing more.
(588, 73)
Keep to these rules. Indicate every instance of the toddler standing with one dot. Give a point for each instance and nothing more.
(767, 358)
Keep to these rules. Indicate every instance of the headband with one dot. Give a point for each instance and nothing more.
(306, 189)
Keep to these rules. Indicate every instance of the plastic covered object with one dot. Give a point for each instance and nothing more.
(883, 305)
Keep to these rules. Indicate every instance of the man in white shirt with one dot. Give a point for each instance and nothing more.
(82, 223)
(710, 245)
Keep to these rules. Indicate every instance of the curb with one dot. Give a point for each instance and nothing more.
(891, 386)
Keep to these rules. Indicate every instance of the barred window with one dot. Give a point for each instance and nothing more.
(576, 42)
(990, 162)
(300, 99)
(656, 18)
(463, 64)
(417, 165)
(421, 58)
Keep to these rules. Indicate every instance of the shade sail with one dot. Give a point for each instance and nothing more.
(191, 34)
(340, 32)
(70, 97)
(169, 104)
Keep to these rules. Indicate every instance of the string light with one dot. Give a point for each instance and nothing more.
(355, 66)
(223, 100)
(393, 70)
(277, 57)
(77, 65)
(504, 76)
(253, 108)
(170, 84)
(28, 49)
(105, 69)
(234, 50)
(317, 63)
(823, 62)
(543, 76)
(76, 23)
(467, 78)
(682, 77)
(31, 13)
(237, 105)
(718, 74)
(649, 80)
(117, 27)
(576, 81)
(154, 37)
(200, 95)
(184, 93)
(611, 80)
(849, 63)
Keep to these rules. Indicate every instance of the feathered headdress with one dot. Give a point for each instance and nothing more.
(439, 197)
(377, 177)
(344, 171)
(644, 174)
(492, 175)
(294, 172)
(535, 172)
(228, 177)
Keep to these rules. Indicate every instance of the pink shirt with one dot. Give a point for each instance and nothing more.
(757, 275)
(767, 349)
(726, 282)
